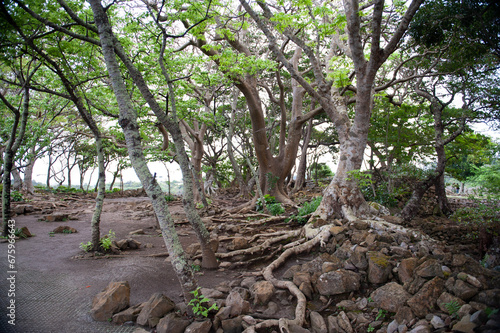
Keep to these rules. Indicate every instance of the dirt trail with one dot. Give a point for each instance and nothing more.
(54, 291)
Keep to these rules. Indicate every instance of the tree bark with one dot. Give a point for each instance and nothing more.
(16, 137)
(301, 170)
(128, 123)
(28, 173)
(18, 181)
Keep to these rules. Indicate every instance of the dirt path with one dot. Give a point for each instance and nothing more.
(54, 291)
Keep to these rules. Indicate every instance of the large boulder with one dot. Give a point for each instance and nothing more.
(155, 308)
(338, 282)
(406, 268)
(390, 296)
(111, 300)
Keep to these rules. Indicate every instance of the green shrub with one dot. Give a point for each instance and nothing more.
(16, 196)
(269, 199)
(198, 304)
(107, 240)
(86, 246)
(307, 208)
(170, 197)
(275, 209)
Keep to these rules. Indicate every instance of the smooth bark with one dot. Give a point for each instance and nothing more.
(128, 123)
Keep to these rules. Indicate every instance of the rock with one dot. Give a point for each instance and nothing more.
(57, 217)
(333, 326)
(464, 290)
(237, 304)
(447, 298)
(232, 325)
(271, 309)
(122, 244)
(358, 259)
(111, 300)
(318, 324)
(464, 325)
(459, 260)
(289, 273)
(133, 244)
(129, 314)
(429, 269)
(239, 243)
(489, 297)
(301, 277)
(421, 329)
(404, 315)
(344, 323)
(415, 284)
(464, 310)
(193, 249)
(406, 268)
(393, 219)
(338, 282)
(25, 233)
(479, 317)
(307, 289)
(211, 293)
(64, 229)
(155, 308)
(262, 292)
(137, 232)
(347, 305)
(248, 282)
(424, 300)
(379, 267)
(199, 327)
(390, 296)
(392, 327)
(335, 230)
(172, 323)
(437, 322)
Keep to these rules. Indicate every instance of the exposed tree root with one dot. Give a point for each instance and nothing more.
(261, 247)
(258, 259)
(321, 236)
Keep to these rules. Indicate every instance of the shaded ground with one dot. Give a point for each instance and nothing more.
(54, 291)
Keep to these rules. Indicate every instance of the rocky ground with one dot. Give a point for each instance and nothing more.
(365, 276)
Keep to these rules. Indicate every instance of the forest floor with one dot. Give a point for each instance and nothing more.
(55, 280)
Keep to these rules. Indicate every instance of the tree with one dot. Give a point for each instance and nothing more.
(342, 198)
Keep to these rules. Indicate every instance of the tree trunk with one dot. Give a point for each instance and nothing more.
(128, 123)
(230, 151)
(101, 192)
(18, 181)
(28, 173)
(301, 170)
(13, 143)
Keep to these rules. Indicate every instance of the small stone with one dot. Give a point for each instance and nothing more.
(424, 300)
(262, 292)
(63, 229)
(464, 325)
(155, 308)
(393, 326)
(479, 317)
(437, 322)
(344, 323)
(172, 323)
(379, 267)
(406, 268)
(390, 296)
(199, 327)
(129, 314)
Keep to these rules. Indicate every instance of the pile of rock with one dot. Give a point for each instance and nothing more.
(365, 280)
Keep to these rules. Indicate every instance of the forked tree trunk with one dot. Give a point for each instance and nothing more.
(128, 123)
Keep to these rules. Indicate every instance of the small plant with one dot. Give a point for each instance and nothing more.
(197, 303)
(196, 268)
(86, 246)
(370, 328)
(452, 308)
(381, 314)
(170, 198)
(51, 234)
(269, 199)
(16, 196)
(19, 233)
(306, 209)
(67, 231)
(107, 240)
(275, 209)
(484, 261)
(490, 312)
